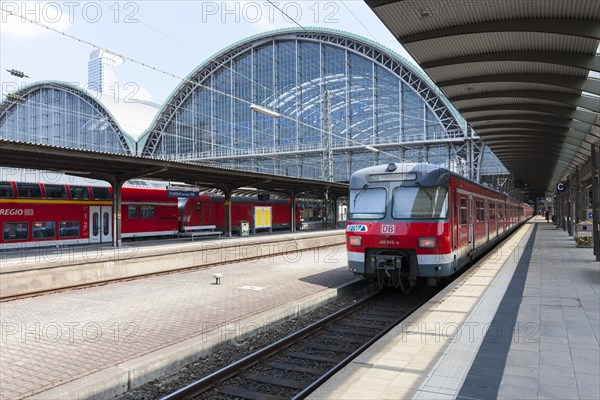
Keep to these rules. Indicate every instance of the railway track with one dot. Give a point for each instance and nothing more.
(296, 365)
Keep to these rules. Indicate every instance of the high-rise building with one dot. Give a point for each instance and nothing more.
(102, 70)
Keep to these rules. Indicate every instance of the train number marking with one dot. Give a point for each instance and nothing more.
(387, 228)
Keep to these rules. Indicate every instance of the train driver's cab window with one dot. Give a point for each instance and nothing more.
(101, 193)
(15, 231)
(367, 203)
(463, 210)
(146, 212)
(43, 230)
(55, 191)
(79, 192)
(6, 190)
(132, 212)
(420, 202)
(29, 190)
(68, 229)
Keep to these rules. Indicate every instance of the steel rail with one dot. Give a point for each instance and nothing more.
(202, 385)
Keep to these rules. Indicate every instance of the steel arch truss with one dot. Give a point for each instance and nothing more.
(200, 79)
(11, 104)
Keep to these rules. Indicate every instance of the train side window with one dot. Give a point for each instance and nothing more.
(105, 224)
(463, 210)
(6, 190)
(146, 212)
(480, 208)
(79, 192)
(132, 212)
(492, 210)
(68, 229)
(101, 193)
(29, 190)
(95, 224)
(43, 230)
(55, 191)
(15, 231)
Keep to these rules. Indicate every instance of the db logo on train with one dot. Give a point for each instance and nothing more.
(387, 228)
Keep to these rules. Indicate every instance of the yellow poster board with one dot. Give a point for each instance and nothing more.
(262, 217)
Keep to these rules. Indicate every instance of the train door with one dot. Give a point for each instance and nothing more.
(206, 213)
(463, 221)
(501, 217)
(454, 220)
(497, 218)
(472, 212)
(493, 219)
(199, 219)
(100, 224)
(486, 217)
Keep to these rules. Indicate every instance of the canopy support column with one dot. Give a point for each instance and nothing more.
(227, 208)
(595, 217)
(293, 227)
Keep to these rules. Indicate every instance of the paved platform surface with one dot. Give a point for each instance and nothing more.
(45, 269)
(50, 340)
(522, 324)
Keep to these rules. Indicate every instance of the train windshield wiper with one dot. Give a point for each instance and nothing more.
(431, 202)
(359, 193)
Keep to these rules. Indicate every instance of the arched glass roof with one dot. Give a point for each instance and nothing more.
(65, 115)
(316, 81)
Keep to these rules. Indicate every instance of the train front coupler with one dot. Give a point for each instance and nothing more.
(391, 270)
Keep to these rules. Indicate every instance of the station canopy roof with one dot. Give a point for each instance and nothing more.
(524, 74)
(109, 166)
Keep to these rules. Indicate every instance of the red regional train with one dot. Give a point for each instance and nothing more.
(48, 214)
(408, 221)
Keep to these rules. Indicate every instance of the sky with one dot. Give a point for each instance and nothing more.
(173, 37)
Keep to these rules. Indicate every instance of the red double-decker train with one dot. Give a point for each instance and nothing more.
(409, 221)
(50, 214)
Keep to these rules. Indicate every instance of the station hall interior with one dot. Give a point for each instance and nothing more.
(503, 94)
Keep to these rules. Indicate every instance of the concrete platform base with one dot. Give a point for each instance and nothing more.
(45, 269)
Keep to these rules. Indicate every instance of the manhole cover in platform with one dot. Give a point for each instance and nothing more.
(255, 288)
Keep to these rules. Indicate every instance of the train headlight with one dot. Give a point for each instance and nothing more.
(427, 243)
(355, 241)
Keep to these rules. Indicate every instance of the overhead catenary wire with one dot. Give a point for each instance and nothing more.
(143, 64)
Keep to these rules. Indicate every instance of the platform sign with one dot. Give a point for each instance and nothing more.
(262, 217)
(561, 187)
(182, 193)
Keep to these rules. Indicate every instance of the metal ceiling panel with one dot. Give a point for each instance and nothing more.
(453, 46)
(517, 70)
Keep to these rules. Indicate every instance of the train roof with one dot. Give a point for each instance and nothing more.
(59, 178)
(433, 174)
(430, 175)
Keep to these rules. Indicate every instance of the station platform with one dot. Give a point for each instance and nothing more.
(523, 323)
(98, 341)
(43, 269)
